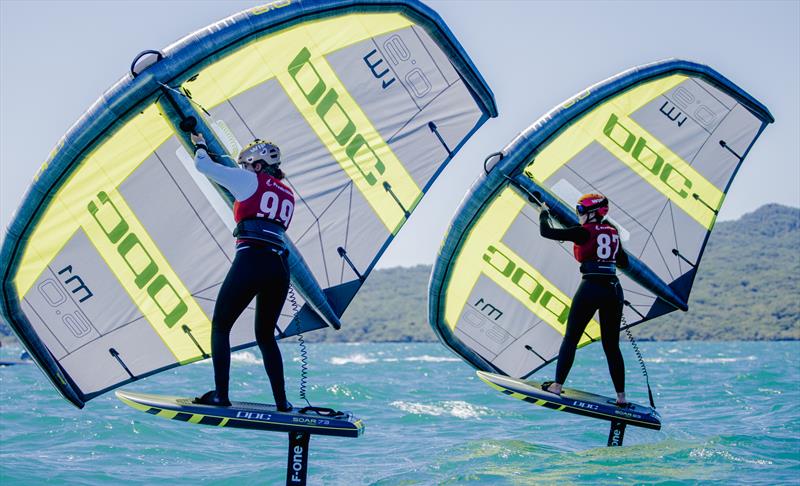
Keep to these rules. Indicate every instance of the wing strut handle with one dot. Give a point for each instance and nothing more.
(181, 113)
(637, 270)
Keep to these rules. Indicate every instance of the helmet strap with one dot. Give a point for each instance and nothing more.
(592, 216)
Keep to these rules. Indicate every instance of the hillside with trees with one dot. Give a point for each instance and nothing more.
(748, 286)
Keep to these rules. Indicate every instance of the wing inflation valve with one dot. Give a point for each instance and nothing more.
(144, 60)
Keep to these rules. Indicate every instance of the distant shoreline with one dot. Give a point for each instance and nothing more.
(746, 290)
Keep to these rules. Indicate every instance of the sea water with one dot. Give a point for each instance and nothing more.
(731, 415)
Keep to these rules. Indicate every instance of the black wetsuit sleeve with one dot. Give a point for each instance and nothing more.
(622, 258)
(575, 234)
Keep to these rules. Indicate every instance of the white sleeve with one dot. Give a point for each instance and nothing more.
(241, 183)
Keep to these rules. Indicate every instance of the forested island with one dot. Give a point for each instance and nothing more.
(748, 288)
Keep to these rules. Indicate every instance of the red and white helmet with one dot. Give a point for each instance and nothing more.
(592, 202)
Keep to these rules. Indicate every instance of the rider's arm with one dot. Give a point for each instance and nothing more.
(239, 182)
(575, 234)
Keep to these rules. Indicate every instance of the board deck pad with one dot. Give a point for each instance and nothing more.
(245, 415)
(574, 401)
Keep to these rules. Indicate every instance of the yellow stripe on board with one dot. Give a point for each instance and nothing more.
(484, 254)
(296, 58)
(611, 126)
(489, 382)
(134, 404)
(542, 402)
(196, 418)
(170, 414)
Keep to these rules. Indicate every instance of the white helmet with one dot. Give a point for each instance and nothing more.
(260, 150)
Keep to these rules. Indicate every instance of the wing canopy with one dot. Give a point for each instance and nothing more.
(114, 261)
(662, 142)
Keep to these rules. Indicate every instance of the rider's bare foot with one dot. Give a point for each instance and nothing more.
(553, 387)
(621, 399)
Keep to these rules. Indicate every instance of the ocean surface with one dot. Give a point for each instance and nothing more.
(731, 414)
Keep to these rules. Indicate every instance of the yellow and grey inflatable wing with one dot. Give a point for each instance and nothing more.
(112, 265)
(663, 142)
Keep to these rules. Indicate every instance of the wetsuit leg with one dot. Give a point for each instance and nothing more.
(270, 300)
(610, 317)
(236, 292)
(583, 308)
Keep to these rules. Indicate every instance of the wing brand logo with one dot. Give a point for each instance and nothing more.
(588, 406)
(143, 269)
(254, 415)
(545, 302)
(636, 147)
(298, 464)
(580, 96)
(616, 438)
(340, 125)
(270, 6)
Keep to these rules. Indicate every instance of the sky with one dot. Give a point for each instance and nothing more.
(57, 58)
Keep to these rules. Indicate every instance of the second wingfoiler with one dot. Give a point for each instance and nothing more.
(662, 142)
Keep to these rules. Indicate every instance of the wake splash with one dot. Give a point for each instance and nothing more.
(245, 357)
(360, 358)
(431, 359)
(455, 408)
(710, 453)
(357, 358)
(700, 360)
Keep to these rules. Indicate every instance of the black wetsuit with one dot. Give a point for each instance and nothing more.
(596, 292)
(259, 271)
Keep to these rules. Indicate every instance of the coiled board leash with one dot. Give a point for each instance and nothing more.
(641, 361)
(303, 351)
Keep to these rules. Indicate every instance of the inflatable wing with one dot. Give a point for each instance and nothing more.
(663, 142)
(112, 265)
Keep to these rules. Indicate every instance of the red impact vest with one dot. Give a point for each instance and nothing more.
(272, 200)
(602, 245)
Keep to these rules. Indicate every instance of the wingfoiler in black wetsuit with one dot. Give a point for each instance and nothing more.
(263, 210)
(597, 248)
(259, 270)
